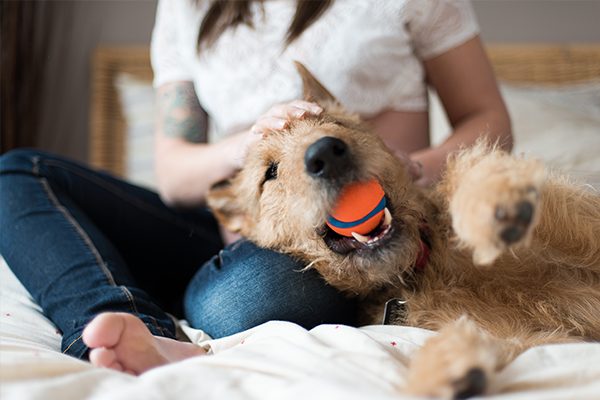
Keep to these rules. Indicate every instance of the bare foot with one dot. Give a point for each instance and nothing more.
(121, 341)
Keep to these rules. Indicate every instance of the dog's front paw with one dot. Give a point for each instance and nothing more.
(512, 222)
(471, 383)
(496, 207)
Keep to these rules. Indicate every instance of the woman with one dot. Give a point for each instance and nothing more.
(84, 243)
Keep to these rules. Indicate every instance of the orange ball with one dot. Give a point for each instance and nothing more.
(359, 208)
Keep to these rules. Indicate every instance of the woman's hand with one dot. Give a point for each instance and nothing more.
(414, 168)
(279, 116)
(187, 166)
(276, 118)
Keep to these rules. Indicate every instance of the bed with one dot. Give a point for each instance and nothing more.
(553, 94)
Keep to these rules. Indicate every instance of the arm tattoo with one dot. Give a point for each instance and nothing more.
(180, 112)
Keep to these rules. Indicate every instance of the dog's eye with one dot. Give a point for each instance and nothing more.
(271, 172)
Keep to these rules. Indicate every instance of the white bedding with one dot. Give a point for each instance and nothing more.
(280, 360)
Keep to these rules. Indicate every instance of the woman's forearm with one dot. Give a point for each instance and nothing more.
(187, 166)
(186, 171)
(464, 80)
(492, 124)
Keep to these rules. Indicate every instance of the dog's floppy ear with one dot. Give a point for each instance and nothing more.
(223, 202)
(313, 89)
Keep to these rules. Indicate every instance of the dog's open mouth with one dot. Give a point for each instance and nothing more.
(360, 243)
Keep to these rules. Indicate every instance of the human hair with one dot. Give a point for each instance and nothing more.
(225, 14)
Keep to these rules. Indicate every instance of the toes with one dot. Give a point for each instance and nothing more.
(106, 358)
(104, 331)
(122, 342)
(472, 384)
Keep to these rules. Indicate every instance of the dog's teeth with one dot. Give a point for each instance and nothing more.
(387, 221)
(360, 238)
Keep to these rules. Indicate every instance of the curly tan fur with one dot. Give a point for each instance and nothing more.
(514, 260)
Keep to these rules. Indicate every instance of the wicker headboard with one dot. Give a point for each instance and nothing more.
(539, 64)
(108, 126)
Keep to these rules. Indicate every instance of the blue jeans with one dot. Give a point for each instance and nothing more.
(84, 242)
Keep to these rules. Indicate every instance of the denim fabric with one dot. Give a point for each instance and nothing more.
(83, 242)
(245, 285)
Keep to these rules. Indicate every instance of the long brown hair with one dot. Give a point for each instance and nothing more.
(224, 14)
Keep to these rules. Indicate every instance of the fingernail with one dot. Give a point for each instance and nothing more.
(315, 109)
(298, 113)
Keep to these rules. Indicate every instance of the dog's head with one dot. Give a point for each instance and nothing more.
(291, 181)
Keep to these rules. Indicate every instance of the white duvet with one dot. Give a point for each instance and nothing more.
(277, 360)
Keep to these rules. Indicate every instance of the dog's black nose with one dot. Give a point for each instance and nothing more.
(327, 158)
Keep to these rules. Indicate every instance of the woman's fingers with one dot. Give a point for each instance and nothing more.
(307, 106)
(293, 109)
(265, 124)
(279, 116)
(414, 168)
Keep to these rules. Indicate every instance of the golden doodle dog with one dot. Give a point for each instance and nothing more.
(500, 256)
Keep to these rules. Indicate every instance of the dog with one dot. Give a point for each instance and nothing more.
(501, 255)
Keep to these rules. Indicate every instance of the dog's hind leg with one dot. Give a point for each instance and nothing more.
(459, 362)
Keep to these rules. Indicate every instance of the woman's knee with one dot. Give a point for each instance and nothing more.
(17, 167)
(19, 160)
(245, 286)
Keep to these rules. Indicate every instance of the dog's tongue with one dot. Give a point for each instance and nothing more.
(359, 209)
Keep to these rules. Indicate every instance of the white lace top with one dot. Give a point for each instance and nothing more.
(366, 52)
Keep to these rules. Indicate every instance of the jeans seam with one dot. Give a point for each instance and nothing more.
(131, 299)
(135, 310)
(43, 181)
(72, 343)
(124, 195)
(82, 234)
(86, 239)
(156, 325)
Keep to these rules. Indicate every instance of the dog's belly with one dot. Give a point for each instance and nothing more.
(509, 312)
(503, 306)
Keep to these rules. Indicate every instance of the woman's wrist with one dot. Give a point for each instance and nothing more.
(233, 150)
(432, 161)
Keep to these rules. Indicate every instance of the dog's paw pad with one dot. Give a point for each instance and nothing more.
(514, 220)
(472, 384)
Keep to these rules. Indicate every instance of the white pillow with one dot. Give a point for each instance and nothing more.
(138, 106)
(559, 125)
